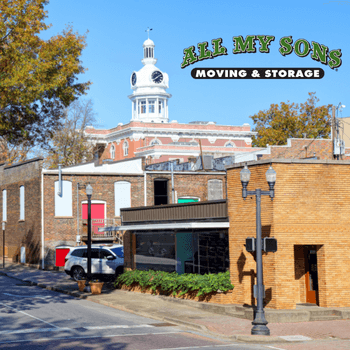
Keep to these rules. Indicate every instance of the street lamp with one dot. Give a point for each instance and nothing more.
(259, 322)
(88, 190)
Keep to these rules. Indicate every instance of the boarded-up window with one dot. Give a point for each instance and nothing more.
(63, 201)
(4, 205)
(214, 189)
(122, 196)
(21, 203)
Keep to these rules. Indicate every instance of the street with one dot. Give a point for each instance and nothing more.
(35, 318)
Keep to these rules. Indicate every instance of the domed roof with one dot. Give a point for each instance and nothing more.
(148, 42)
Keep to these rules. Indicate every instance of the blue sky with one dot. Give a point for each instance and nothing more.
(117, 32)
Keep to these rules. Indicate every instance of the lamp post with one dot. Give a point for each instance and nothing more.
(3, 244)
(88, 190)
(259, 323)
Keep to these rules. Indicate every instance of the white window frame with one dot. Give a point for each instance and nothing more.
(112, 152)
(126, 148)
(151, 106)
(4, 205)
(21, 203)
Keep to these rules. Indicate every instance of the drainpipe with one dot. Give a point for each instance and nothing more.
(145, 188)
(59, 180)
(172, 183)
(78, 236)
(42, 222)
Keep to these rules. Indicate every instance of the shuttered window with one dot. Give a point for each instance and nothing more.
(122, 196)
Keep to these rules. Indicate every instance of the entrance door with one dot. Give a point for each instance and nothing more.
(97, 216)
(311, 278)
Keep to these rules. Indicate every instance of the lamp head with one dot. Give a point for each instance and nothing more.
(245, 174)
(271, 175)
(88, 190)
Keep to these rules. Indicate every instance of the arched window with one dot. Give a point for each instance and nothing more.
(215, 189)
(64, 200)
(4, 205)
(155, 142)
(122, 196)
(230, 144)
(126, 148)
(112, 152)
(21, 203)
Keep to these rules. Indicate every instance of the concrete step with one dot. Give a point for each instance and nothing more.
(324, 312)
(325, 318)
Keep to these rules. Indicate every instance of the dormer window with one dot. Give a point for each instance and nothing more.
(230, 144)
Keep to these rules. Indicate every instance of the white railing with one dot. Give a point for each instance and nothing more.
(96, 224)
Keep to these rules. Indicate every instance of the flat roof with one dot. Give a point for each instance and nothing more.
(289, 161)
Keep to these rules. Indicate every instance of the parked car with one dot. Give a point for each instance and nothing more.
(106, 260)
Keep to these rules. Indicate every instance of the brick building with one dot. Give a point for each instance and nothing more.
(151, 134)
(309, 216)
(44, 208)
(21, 209)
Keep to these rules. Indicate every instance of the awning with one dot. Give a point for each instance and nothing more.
(171, 226)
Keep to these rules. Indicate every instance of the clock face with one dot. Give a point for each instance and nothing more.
(157, 76)
(133, 78)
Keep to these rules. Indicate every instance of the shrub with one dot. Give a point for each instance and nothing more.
(174, 283)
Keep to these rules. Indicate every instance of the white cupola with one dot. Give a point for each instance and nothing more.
(149, 98)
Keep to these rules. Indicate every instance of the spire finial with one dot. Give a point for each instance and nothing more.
(148, 30)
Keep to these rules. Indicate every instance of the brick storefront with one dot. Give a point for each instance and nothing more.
(22, 234)
(310, 210)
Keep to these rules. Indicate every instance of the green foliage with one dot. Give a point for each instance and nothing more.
(289, 120)
(173, 283)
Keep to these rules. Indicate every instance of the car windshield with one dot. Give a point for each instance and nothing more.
(118, 251)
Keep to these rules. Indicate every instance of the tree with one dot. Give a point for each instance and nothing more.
(13, 152)
(289, 120)
(37, 77)
(70, 146)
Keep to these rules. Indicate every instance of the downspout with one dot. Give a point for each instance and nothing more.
(59, 180)
(42, 222)
(78, 213)
(172, 183)
(145, 188)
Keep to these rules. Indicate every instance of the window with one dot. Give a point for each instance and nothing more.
(104, 254)
(214, 189)
(155, 142)
(112, 152)
(230, 144)
(119, 251)
(142, 106)
(4, 205)
(160, 191)
(21, 203)
(122, 196)
(160, 105)
(151, 106)
(126, 148)
(78, 253)
(63, 200)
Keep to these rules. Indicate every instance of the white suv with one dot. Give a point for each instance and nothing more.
(105, 260)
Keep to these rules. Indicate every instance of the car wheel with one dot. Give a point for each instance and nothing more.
(77, 273)
(119, 270)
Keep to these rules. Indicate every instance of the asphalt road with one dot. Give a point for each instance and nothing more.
(35, 318)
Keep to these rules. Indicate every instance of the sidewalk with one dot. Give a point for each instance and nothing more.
(212, 319)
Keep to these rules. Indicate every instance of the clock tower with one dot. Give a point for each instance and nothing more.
(149, 98)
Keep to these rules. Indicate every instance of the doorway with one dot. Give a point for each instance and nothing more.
(160, 191)
(311, 275)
